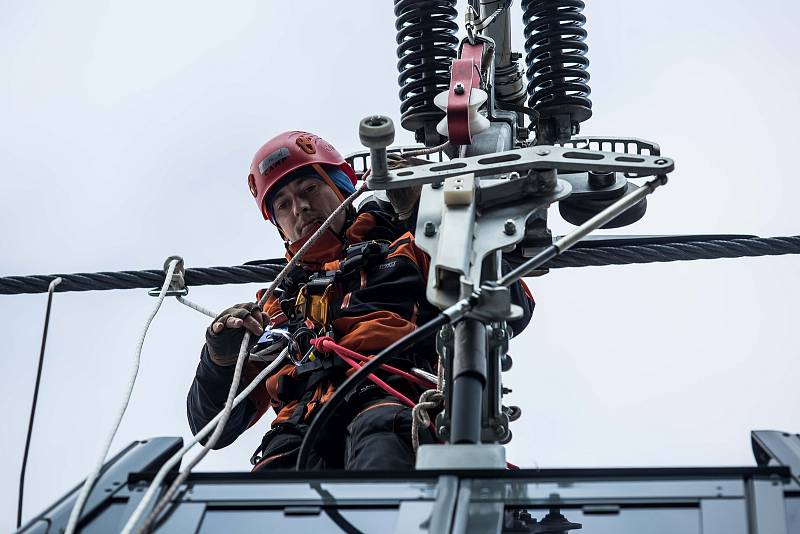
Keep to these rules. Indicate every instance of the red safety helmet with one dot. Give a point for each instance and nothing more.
(288, 152)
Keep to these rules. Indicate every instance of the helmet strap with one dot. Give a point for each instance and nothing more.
(327, 179)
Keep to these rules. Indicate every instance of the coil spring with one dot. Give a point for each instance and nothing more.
(556, 60)
(426, 47)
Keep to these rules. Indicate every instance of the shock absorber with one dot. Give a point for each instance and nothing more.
(426, 46)
(555, 53)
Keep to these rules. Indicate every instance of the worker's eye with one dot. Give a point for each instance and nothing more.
(311, 188)
(282, 205)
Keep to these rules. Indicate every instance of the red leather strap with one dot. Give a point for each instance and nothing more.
(464, 71)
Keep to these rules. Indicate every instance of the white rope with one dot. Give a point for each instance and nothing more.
(242, 357)
(176, 458)
(195, 306)
(429, 400)
(90, 480)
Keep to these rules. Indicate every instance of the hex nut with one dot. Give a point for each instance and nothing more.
(430, 229)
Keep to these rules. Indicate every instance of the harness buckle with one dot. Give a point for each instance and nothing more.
(361, 255)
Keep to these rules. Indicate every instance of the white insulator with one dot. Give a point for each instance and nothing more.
(477, 122)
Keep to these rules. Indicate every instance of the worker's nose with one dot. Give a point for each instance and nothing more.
(301, 205)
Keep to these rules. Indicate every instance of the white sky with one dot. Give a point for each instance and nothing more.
(126, 131)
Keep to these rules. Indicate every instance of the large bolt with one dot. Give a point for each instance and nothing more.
(510, 228)
(446, 333)
(376, 133)
(430, 229)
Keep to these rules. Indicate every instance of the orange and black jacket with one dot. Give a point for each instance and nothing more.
(377, 296)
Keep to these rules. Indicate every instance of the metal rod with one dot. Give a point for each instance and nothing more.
(469, 379)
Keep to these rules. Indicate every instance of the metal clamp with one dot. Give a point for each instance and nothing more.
(177, 286)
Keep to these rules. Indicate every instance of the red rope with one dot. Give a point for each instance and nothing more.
(381, 384)
(328, 344)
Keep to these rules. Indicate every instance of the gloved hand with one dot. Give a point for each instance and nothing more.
(404, 200)
(225, 333)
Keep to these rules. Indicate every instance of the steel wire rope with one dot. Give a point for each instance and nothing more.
(210, 426)
(50, 290)
(90, 480)
(103, 281)
(595, 256)
(240, 361)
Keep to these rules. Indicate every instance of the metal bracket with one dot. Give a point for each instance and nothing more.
(360, 161)
(177, 286)
(781, 447)
(457, 246)
(522, 160)
(615, 144)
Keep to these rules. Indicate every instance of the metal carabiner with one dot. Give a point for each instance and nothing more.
(296, 354)
(470, 16)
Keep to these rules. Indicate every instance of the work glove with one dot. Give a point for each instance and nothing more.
(225, 333)
(404, 200)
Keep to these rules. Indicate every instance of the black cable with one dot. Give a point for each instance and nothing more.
(339, 396)
(33, 407)
(635, 250)
(201, 276)
(332, 512)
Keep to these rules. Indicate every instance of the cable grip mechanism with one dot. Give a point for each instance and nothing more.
(177, 286)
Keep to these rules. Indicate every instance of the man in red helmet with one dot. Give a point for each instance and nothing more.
(362, 283)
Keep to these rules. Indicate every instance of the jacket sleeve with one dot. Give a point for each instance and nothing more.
(208, 393)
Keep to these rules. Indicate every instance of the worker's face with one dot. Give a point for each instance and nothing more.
(302, 205)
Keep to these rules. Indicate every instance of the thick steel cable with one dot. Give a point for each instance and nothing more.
(706, 249)
(242, 357)
(90, 480)
(50, 291)
(199, 276)
(668, 252)
(206, 430)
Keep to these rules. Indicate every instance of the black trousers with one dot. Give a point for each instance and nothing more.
(377, 437)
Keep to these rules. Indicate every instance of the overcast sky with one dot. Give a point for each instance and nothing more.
(126, 131)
